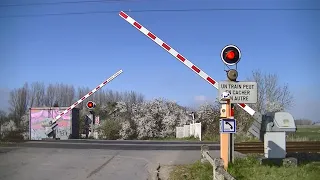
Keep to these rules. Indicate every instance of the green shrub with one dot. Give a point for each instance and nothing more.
(109, 129)
(13, 136)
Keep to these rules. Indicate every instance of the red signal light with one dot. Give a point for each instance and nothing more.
(90, 105)
(230, 55)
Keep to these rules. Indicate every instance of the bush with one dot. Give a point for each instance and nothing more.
(13, 136)
(109, 129)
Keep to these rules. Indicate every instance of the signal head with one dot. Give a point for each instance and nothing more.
(232, 74)
(91, 105)
(230, 55)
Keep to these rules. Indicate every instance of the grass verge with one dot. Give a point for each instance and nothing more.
(248, 169)
(196, 171)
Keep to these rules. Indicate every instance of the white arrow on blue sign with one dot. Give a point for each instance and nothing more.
(228, 126)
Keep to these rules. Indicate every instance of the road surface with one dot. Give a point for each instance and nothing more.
(91, 160)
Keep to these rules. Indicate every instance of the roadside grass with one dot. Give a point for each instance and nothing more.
(196, 171)
(248, 168)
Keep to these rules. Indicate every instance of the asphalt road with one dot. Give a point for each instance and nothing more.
(80, 160)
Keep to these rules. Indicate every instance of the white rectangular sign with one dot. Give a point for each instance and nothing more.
(240, 92)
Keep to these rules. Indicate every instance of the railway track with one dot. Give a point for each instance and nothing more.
(291, 147)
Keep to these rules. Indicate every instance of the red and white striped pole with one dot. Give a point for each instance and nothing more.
(54, 122)
(178, 56)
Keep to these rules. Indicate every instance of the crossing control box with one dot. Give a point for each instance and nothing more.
(279, 122)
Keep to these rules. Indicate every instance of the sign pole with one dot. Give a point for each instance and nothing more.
(225, 143)
(231, 137)
(230, 55)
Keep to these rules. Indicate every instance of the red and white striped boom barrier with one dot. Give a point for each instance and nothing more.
(178, 56)
(54, 122)
(256, 126)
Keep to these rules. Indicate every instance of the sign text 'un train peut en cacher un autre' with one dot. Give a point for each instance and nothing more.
(240, 92)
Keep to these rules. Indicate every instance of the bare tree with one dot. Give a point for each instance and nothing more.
(113, 96)
(50, 95)
(18, 103)
(70, 94)
(272, 96)
(65, 94)
(82, 92)
(37, 94)
(132, 97)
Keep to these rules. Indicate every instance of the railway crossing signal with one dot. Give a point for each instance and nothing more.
(91, 105)
(230, 55)
(54, 122)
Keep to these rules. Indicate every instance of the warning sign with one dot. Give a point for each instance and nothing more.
(240, 92)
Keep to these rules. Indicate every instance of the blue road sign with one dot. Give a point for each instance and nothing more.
(228, 126)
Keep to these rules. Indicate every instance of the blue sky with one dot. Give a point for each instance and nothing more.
(84, 50)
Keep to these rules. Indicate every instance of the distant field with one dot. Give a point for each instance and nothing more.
(308, 132)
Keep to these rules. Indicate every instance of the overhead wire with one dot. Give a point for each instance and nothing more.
(65, 2)
(133, 11)
(160, 10)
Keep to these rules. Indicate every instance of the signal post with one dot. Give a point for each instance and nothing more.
(91, 117)
(226, 139)
(230, 55)
(230, 92)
